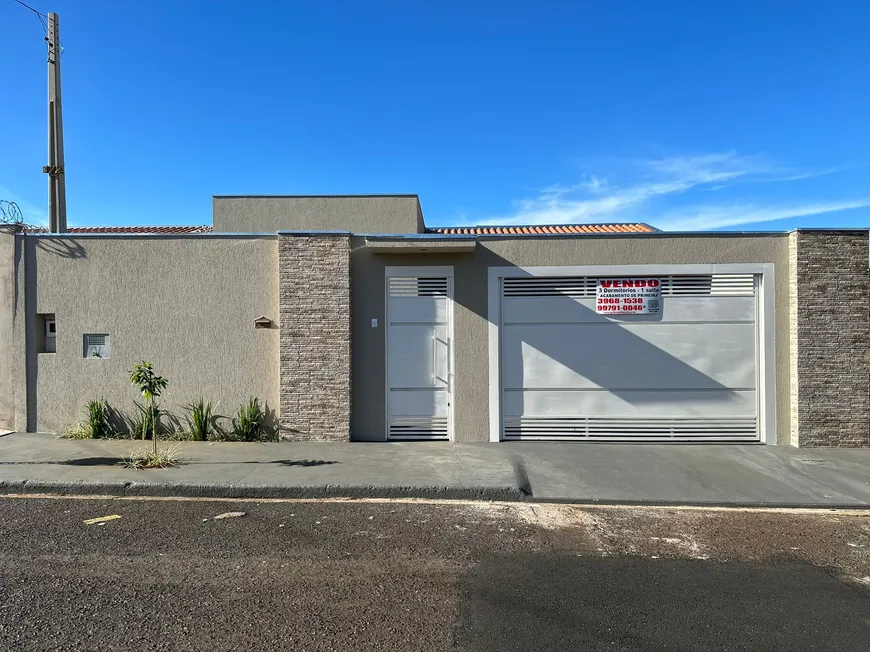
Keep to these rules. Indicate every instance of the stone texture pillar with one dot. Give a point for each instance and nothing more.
(314, 288)
(829, 323)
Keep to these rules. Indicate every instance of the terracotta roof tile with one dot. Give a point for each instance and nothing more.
(548, 229)
(544, 229)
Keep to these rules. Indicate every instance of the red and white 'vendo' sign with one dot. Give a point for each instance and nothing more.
(637, 296)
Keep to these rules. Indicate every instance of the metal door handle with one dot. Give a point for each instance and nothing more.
(435, 375)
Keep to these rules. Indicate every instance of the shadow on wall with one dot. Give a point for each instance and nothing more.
(62, 247)
(609, 357)
(592, 351)
(590, 364)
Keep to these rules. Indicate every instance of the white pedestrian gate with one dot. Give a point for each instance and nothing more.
(419, 358)
(689, 373)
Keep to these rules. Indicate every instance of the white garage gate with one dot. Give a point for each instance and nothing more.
(696, 371)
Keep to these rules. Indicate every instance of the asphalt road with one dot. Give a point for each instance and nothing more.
(411, 576)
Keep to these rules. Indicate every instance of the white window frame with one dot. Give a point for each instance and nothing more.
(765, 297)
(86, 344)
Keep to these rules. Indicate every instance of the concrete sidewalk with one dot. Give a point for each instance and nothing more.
(584, 473)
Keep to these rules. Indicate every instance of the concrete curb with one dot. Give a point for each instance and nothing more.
(492, 493)
(735, 504)
(181, 490)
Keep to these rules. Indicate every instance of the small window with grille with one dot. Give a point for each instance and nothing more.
(97, 345)
(47, 333)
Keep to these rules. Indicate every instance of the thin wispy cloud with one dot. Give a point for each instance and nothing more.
(717, 217)
(782, 174)
(646, 190)
(811, 174)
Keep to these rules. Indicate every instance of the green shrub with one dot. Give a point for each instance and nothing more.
(250, 423)
(201, 422)
(98, 419)
(142, 423)
(97, 425)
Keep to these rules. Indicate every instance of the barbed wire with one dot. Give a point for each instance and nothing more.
(10, 213)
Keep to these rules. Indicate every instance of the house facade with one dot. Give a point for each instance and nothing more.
(354, 321)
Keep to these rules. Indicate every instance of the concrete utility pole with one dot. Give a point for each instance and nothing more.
(56, 181)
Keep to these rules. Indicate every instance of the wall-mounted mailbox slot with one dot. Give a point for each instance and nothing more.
(46, 333)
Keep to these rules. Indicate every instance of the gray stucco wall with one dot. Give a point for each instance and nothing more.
(360, 214)
(187, 304)
(7, 340)
(470, 309)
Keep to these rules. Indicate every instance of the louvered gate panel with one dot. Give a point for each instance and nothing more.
(550, 286)
(719, 285)
(402, 286)
(615, 429)
(584, 286)
(687, 374)
(409, 428)
(418, 357)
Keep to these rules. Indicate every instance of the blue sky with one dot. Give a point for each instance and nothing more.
(688, 115)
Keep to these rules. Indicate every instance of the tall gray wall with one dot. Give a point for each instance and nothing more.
(359, 214)
(471, 307)
(188, 304)
(830, 333)
(185, 303)
(8, 307)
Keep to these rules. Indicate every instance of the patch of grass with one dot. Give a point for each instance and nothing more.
(97, 424)
(179, 434)
(223, 434)
(146, 458)
(77, 431)
(250, 423)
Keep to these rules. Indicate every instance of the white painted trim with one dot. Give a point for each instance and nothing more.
(767, 356)
(629, 270)
(764, 316)
(418, 271)
(451, 361)
(386, 325)
(414, 270)
(494, 318)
